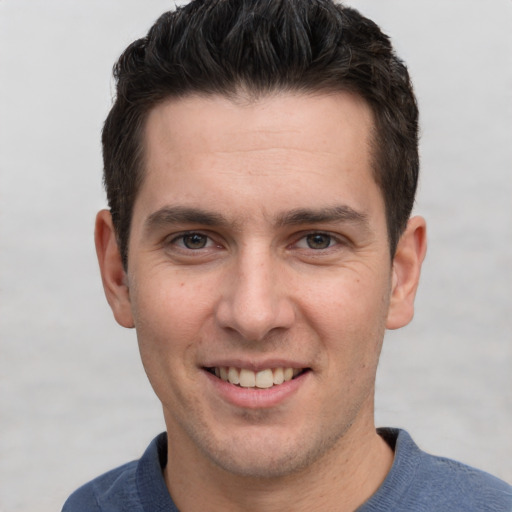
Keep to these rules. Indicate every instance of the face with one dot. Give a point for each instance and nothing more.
(259, 277)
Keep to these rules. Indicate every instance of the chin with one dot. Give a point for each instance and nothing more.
(269, 457)
(261, 465)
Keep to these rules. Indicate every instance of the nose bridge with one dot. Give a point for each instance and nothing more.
(254, 302)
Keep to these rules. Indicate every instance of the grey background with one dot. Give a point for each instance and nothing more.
(74, 400)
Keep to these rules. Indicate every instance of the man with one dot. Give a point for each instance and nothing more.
(261, 165)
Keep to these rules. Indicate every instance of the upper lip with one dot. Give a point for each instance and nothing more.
(253, 365)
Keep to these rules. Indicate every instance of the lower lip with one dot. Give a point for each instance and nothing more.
(257, 398)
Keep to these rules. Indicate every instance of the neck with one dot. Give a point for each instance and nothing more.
(341, 480)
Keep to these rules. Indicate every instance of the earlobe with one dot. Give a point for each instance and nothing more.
(112, 271)
(407, 262)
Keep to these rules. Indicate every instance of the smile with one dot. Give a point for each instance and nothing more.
(262, 379)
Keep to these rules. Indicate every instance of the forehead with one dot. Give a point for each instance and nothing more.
(218, 123)
(285, 150)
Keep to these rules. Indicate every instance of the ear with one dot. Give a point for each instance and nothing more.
(407, 262)
(113, 275)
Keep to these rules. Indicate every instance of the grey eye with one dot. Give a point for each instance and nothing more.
(195, 241)
(318, 241)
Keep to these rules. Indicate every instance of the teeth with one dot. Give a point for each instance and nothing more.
(233, 376)
(278, 376)
(247, 378)
(262, 379)
(288, 373)
(265, 379)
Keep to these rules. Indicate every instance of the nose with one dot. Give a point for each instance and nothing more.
(255, 299)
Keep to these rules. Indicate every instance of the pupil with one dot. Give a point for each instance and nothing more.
(194, 241)
(318, 241)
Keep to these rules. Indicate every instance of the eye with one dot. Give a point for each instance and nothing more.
(316, 241)
(193, 241)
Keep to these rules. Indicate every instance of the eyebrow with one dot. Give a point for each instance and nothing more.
(184, 215)
(300, 216)
(329, 214)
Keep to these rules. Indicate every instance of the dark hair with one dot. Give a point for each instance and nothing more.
(260, 46)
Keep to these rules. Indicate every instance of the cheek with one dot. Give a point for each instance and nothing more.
(171, 301)
(170, 316)
(169, 319)
(349, 314)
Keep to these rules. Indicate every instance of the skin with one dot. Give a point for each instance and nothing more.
(259, 240)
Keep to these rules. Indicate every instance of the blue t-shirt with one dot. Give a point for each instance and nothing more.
(417, 482)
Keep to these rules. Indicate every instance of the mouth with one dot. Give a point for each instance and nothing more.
(263, 379)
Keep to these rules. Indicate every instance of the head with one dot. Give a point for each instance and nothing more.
(261, 163)
(249, 49)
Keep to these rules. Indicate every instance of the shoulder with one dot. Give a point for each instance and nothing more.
(116, 486)
(454, 483)
(133, 487)
(422, 482)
